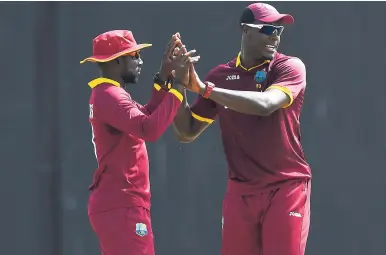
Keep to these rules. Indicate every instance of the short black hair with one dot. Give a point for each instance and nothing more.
(247, 16)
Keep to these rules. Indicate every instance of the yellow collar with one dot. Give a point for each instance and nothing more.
(101, 80)
(238, 63)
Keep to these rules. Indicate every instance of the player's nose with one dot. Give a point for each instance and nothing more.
(274, 36)
(140, 62)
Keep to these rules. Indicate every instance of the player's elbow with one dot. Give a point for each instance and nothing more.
(272, 101)
(260, 110)
(185, 138)
(264, 108)
(265, 111)
(182, 133)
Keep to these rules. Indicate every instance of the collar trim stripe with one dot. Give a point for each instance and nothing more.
(238, 63)
(101, 80)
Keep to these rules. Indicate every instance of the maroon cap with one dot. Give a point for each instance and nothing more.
(264, 13)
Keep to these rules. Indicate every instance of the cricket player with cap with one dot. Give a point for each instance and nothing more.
(257, 97)
(119, 203)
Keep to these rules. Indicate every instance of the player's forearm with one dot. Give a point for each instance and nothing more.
(182, 124)
(153, 127)
(247, 102)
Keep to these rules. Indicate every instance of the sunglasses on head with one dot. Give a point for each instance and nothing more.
(134, 55)
(267, 29)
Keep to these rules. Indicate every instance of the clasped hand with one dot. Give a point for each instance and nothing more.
(179, 63)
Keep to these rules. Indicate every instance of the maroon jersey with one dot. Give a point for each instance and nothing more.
(120, 127)
(261, 151)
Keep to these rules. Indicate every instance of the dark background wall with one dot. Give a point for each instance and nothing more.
(46, 152)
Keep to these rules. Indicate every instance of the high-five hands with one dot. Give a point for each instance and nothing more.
(185, 74)
(167, 64)
(195, 84)
(182, 62)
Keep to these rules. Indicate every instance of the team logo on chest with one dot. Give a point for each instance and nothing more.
(260, 76)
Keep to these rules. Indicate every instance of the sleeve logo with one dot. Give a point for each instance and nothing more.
(141, 229)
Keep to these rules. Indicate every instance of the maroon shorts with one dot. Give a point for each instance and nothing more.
(124, 231)
(273, 222)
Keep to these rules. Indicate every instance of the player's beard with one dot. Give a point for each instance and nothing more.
(130, 78)
(269, 57)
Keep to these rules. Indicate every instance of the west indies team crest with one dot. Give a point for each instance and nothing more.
(141, 229)
(260, 76)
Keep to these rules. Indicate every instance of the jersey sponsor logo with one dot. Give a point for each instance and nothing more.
(295, 214)
(233, 77)
(141, 229)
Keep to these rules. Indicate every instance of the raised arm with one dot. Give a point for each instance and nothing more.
(119, 111)
(162, 81)
(189, 122)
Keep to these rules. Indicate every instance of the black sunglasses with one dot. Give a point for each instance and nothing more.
(267, 29)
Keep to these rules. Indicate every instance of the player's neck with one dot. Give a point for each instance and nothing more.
(112, 77)
(248, 60)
